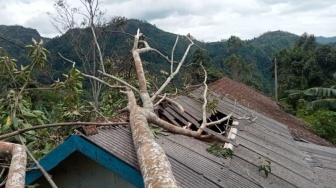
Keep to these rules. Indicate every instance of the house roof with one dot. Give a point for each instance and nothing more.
(191, 164)
(79, 144)
(263, 104)
(322, 160)
(263, 139)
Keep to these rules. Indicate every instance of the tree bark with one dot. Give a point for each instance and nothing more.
(17, 169)
(154, 165)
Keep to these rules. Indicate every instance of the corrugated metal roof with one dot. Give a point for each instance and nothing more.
(323, 161)
(191, 164)
(260, 140)
(263, 139)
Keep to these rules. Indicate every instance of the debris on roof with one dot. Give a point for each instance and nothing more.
(262, 141)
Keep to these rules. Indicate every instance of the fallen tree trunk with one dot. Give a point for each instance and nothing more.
(154, 165)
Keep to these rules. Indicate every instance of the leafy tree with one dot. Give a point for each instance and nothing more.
(234, 44)
(239, 69)
(305, 65)
(196, 73)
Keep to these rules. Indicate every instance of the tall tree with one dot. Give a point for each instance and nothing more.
(234, 44)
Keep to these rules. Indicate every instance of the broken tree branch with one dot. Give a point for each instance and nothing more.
(172, 75)
(154, 164)
(141, 74)
(162, 99)
(172, 56)
(102, 81)
(45, 173)
(120, 80)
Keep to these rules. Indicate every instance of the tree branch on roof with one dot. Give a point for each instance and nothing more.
(20, 131)
(172, 75)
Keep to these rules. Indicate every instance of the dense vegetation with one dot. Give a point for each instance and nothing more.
(307, 75)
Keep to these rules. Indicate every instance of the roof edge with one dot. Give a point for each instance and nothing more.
(87, 148)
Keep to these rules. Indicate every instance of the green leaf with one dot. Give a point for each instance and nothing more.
(28, 114)
(34, 41)
(322, 92)
(15, 122)
(23, 139)
(218, 151)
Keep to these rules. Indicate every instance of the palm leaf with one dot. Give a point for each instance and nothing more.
(320, 91)
(323, 103)
(294, 92)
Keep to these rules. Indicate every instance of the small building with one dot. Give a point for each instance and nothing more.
(108, 159)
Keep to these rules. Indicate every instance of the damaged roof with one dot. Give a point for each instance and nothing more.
(293, 164)
(263, 104)
(261, 140)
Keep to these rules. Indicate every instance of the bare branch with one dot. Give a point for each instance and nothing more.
(141, 74)
(73, 63)
(205, 100)
(205, 103)
(102, 81)
(44, 172)
(162, 99)
(14, 133)
(153, 118)
(164, 85)
(148, 48)
(121, 81)
(172, 56)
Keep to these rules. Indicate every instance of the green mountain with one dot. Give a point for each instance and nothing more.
(258, 50)
(326, 40)
(15, 38)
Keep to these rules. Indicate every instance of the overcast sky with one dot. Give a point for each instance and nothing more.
(208, 20)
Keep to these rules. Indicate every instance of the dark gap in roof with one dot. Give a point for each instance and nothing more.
(178, 118)
(222, 127)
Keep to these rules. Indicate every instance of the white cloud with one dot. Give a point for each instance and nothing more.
(209, 20)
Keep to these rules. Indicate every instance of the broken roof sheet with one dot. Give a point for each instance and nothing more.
(265, 105)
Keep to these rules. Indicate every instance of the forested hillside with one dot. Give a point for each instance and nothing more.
(256, 53)
(15, 38)
(307, 77)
